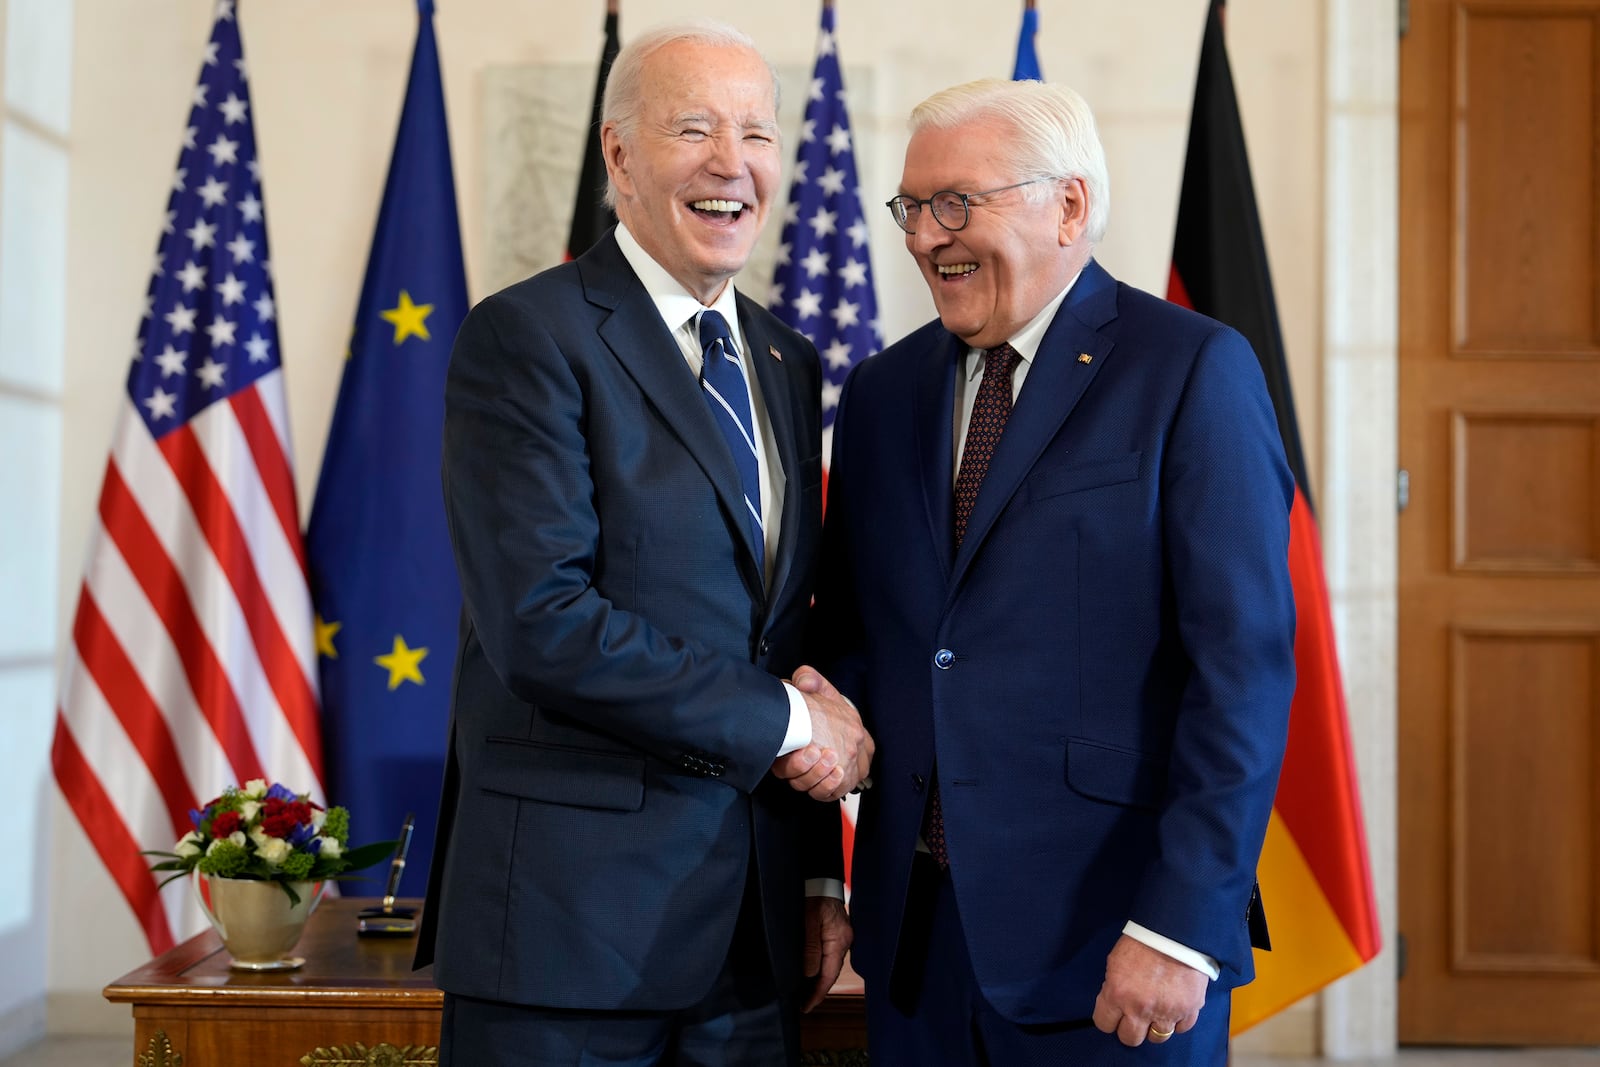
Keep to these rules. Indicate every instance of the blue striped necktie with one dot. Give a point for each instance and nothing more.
(723, 383)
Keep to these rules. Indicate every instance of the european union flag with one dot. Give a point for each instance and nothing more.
(382, 576)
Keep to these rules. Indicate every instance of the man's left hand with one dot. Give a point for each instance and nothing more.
(1147, 995)
(828, 937)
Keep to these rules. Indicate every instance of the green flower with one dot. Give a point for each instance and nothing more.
(224, 859)
(298, 866)
(337, 825)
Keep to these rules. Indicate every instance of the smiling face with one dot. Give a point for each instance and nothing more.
(1015, 254)
(696, 175)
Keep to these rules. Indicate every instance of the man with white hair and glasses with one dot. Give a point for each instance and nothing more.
(1054, 580)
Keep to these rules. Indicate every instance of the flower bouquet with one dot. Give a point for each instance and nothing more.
(268, 833)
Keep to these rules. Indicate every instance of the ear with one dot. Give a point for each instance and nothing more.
(614, 151)
(1074, 200)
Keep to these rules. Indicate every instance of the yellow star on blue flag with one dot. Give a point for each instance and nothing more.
(410, 319)
(379, 552)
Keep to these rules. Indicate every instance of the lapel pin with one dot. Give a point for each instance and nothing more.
(1084, 357)
(773, 351)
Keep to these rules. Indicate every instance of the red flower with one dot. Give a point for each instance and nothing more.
(280, 817)
(226, 823)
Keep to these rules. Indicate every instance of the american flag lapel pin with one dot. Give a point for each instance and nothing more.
(1084, 357)
(772, 350)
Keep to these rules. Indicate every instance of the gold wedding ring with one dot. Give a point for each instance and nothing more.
(1159, 1035)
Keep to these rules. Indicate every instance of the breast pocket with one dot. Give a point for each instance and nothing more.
(1083, 475)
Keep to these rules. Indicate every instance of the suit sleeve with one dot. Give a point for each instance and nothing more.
(1226, 492)
(519, 498)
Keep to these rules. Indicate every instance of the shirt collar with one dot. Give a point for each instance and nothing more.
(678, 308)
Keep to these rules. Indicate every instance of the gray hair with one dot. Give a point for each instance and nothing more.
(624, 97)
(1055, 130)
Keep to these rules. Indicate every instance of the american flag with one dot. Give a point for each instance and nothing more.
(191, 663)
(823, 282)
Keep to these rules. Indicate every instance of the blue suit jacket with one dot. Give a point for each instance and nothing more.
(1102, 672)
(615, 711)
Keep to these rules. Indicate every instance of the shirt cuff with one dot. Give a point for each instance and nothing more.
(1182, 953)
(825, 887)
(799, 735)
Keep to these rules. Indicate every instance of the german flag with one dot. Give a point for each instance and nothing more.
(1316, 883)
(591, 218)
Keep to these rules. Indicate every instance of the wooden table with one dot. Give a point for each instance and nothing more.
(355, 1002)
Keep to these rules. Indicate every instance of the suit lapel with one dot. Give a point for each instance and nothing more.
(1057, 379)
(648, 352)
(777, 396)
(935, 423)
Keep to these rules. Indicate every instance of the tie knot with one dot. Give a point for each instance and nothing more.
(1000, 359)
(713, 327)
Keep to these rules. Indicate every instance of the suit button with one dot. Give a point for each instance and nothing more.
(943, 659)
(765, 648)
(917, 782)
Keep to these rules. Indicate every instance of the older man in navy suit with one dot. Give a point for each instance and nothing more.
(632, 469)
(1054, 578)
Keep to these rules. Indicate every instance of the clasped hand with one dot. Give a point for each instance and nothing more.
(840, 753)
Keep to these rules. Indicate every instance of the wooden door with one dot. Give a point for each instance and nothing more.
(1499, 748)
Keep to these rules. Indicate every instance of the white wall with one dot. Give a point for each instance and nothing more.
(327, 79)
(34, 154)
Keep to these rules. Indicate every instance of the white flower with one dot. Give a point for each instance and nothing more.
(235, 838)
(274, 850)
(329, 849)
(249, 810)
(188, 845)
(256, 787)
(318, 817)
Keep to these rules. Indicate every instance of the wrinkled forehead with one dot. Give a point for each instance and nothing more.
(962, 157)
(692, 78)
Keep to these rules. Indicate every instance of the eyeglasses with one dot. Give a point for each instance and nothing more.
(951, 209)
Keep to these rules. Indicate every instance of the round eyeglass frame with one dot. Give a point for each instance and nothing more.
(906, 210)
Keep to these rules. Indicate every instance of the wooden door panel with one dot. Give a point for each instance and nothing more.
(1499, 753)
(1525, 491)
(1522, 884)
(1525, 186)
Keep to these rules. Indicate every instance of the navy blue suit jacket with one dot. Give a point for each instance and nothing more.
(615, 710)
(1102, 672)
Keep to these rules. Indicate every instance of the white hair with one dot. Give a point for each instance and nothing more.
(624, 96)
(1055, 138)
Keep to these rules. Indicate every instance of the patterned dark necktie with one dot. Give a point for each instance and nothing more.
(990, 410)
(723, 384)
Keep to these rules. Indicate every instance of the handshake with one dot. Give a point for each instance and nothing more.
(839, 756)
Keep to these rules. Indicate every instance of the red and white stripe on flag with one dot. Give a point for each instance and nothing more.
(191, 660)
(192, 663)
